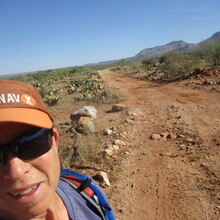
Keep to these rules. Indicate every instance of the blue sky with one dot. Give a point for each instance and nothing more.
(48, 34)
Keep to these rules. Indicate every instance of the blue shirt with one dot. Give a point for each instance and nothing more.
(76, 206)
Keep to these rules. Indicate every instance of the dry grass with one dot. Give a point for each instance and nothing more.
(84, 151)
(89, 149)
(108, 96)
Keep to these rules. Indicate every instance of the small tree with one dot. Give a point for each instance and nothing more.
(149, 62)
(177, 64)
(210, 50)
(135, 65)
(121, 62)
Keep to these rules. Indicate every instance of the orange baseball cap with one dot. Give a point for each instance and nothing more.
(22, 103)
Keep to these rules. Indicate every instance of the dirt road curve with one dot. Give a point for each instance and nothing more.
(175, 178)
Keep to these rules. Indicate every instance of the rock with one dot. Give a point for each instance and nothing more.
(180, 136)
(119, 142)
(108, 131)
(129, 121)
(115, 147)
(85, 125)
(164, 134)
(134, 112)
(181, 146)
(109, 147)
(102, 178)
(118, 107)
(86, 111)
(171, 136)
(112, 147)
(123, 134)
(107, 152)
(155, 137)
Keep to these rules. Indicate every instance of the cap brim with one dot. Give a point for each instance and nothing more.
(26, 116)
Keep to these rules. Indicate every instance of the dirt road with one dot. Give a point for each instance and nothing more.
(176, 176)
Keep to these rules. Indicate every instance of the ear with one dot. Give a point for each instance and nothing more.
(56, 138)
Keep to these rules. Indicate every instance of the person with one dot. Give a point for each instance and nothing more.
(30, 183)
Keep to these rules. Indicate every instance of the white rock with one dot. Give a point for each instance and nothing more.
(102, 177)
(119, 142)
(86, 111)
(108, 131)
(109, 147)
(107, 152)
(155, 136)
(115, 147)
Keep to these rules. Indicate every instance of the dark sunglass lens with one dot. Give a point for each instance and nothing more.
(3, 157)
(30, 148)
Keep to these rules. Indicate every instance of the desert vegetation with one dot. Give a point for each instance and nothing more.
(83, 82)
(83, 85)
(170, 140)
(77, 86)
(174, 66)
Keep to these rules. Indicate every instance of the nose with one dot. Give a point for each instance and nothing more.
(15, 168)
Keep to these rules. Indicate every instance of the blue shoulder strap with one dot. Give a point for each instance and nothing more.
(103, 200)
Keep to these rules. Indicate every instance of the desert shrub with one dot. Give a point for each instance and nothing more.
(42, 88)
(177, 64)
(116, 68)
(94, 74)
(39, 76)
(22, 78)
(91, 91)
(89, 150)
(49, 94)
(149, 62)
(51, 99)
(107, 96)
(210, 50)
(135, 65)
(121, 62)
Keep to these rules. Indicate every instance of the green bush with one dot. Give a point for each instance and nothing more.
(177, 64)
(149, 62)
(210, 50)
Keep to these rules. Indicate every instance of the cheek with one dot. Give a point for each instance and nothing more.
(49, 165)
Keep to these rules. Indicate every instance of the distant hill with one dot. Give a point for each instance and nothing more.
(8, 76)
(174, 46)
(216, 35)
(158, 51)
(213, 37)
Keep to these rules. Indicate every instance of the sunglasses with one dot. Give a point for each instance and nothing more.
(28, 147)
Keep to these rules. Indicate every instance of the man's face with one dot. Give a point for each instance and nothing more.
(27, 187)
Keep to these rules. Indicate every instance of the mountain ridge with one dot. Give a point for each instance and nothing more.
(157, 51)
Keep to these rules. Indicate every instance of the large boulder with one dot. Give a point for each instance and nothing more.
(85, 111)
(85, 125)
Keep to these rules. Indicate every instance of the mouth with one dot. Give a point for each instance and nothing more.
(25, 193)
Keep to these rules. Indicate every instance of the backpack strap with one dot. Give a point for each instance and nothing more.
(95, 203)
(82, 185)
(90, 191)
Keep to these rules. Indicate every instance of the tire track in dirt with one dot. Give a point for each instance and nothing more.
(159, 181)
